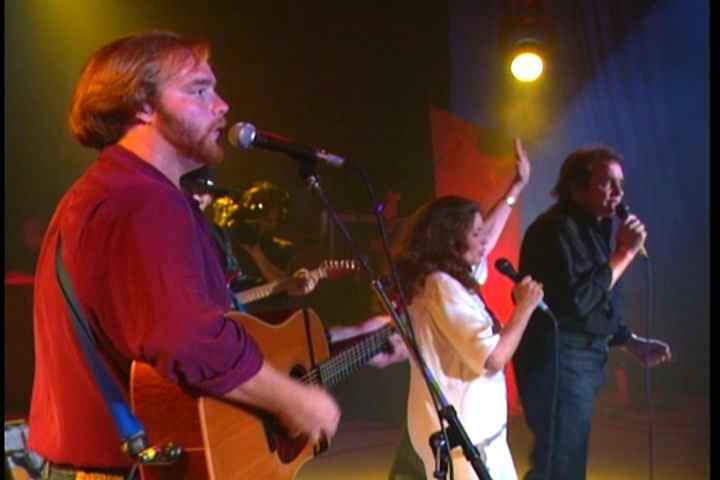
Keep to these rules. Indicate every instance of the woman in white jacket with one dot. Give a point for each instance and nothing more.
(441, 258)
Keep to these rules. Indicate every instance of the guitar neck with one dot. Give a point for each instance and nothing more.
(271, 288)
(339, 367)
(260, 292)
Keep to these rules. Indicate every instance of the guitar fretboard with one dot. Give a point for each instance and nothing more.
(257, 293)
(340, 366)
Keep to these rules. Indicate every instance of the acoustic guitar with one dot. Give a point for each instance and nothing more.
(226, 441)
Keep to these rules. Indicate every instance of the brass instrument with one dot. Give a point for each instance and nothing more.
(224, 209)
(253, 204)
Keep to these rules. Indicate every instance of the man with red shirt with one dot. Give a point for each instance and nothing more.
(142, 263)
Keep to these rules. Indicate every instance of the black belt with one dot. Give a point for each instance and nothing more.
(586, 339)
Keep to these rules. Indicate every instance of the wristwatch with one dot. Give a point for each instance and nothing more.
(510, 200)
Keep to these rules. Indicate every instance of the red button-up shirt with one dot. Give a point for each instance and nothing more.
(144, 268)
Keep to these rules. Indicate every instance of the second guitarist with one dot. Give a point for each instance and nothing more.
(263, 255)
(245, 226)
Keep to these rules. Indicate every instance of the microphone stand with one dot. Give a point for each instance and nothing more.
(454, 433)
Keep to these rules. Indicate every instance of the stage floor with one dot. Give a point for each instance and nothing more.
(619, 449)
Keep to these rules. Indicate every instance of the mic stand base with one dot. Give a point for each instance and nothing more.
(441, 454)
(456, 436)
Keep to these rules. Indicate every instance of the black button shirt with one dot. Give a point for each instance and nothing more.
(567, 250)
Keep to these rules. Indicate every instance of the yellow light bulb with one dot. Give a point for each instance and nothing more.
(527, 67)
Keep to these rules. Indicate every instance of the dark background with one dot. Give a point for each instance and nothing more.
(359, 79)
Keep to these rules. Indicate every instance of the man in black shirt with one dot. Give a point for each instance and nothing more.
(569, 250)
(264, 255)
(201, 184)
(249, 220)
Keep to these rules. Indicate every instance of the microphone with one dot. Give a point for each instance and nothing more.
(245, 135)
(622, 211)
(504, 266)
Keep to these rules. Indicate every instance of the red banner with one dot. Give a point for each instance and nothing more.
(469, 164)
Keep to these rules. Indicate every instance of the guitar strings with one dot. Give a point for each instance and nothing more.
(341, 365)
(338, 367)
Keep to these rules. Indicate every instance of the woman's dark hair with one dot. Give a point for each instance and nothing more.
(434, 239)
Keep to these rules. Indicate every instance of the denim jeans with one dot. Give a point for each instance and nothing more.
(582, 360)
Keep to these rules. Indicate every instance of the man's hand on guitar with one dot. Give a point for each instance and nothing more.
(313, 412)
(303, 282)
(397, 350)
(300, 408)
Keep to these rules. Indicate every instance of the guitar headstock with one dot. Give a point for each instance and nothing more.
(336, 268)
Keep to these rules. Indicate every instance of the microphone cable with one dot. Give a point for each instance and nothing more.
(646, 373)
(556, 381)
(505, 267)
(621, 211)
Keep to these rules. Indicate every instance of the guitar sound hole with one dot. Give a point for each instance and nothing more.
(297, 371)
(289, 448)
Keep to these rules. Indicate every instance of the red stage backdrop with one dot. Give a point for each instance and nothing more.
(464, 166)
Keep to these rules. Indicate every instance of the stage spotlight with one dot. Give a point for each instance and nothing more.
(527, 61)
(527, 35)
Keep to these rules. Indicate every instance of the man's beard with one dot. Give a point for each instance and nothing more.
(188, 139)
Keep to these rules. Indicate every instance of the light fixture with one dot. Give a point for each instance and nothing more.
(527, 61)
(526, 38)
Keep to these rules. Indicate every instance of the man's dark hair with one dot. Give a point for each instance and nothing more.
(576, 169)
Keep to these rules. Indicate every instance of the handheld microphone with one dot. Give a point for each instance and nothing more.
(245, 135)
(622, 211)
(504, 266)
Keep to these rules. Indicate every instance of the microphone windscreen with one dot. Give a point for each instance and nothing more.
(504, 266)
(242, 135)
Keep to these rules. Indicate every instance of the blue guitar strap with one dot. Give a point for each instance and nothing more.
(134, 440)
